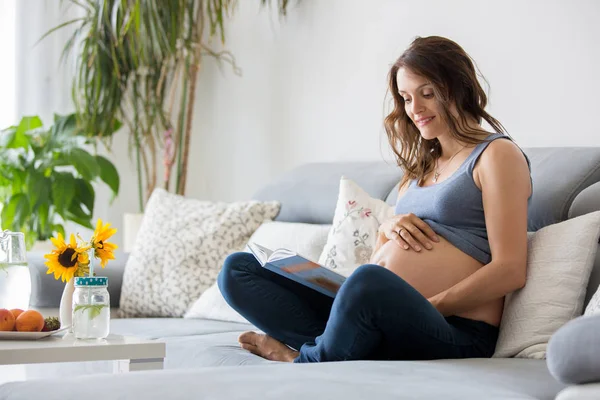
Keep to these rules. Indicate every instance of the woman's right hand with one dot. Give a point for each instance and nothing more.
(409, 231)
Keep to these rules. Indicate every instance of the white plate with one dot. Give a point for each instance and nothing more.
(12, 335)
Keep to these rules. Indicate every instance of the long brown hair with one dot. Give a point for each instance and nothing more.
(452, 74)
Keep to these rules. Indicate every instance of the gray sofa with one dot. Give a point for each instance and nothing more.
(203, 358)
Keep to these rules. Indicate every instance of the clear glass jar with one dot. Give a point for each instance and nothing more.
(15, 281)
(91, 308)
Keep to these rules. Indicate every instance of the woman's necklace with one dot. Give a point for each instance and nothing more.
(437, 172)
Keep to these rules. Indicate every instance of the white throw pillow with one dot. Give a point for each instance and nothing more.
(593, 306)
(354, 231)
(559, 262)
(180, 247)
(305, 239)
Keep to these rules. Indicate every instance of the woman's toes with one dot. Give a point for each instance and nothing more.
(248, 337)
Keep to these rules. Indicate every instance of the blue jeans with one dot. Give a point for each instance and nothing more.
(376, 315)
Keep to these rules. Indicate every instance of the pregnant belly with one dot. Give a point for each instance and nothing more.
(433, 271)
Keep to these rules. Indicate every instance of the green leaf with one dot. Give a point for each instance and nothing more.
(38, 188)
(109, 174)
(64, 125)
(18, 182)
(58, 228)
(77, 215)
(63, 190)
(84, 163)
(115, 126)
(84, 194)
(7, 136)
(27, 124)
(15, 212)
(43, 212)
(59, 27)
(94, 309)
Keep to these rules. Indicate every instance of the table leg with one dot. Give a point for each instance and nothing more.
(142, 364)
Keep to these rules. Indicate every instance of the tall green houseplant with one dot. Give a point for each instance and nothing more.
(46, 177)
(138, 62)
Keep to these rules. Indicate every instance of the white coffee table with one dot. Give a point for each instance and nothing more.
(129, 353)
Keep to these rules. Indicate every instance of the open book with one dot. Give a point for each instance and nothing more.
(297, 268)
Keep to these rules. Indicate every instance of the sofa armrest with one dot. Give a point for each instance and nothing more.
(587, 201)
(573, 354)
(46, 291)
(591, 391)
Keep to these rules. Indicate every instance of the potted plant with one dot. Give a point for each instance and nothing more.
(138, 62)
(47, 176)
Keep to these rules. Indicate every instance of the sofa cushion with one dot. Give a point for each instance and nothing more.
(587, 202)
(560, 258)
(305, 239)
(160, 328)
(309, 192)
(180, 248)
(574, 351)
(559, 174)
(593, 307)
(591, 391)
(467, 379)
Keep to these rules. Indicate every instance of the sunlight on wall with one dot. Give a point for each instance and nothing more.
(8, 63)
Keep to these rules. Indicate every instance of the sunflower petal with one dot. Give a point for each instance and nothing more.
(110, 246)
(59, 241)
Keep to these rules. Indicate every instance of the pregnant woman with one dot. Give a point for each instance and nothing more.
(442, 265)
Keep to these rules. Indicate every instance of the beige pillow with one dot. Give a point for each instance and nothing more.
(180, 247)
(559, 262)
(354, 231)
(305, 239)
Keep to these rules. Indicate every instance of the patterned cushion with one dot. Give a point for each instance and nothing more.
(354, 231)
(593, 306)
(305, 239)
(559, 261)
(180, 247)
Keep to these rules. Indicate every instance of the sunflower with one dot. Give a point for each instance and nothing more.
(67, 259)
(102, 249)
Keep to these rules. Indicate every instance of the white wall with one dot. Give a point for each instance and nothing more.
(313, 85)
(8, 66)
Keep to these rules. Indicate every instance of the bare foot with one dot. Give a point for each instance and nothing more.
(266, 347)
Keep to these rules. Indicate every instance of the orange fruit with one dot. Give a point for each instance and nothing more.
(30, 321)
(16, 312)
(7, 320)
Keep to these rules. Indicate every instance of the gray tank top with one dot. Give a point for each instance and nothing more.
(454, 207)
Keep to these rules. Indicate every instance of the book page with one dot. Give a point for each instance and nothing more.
(281, 254)
(261, 253)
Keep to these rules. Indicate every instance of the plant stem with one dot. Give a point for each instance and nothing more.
(188, 128)
(195, 68)
(180, 123)
(138, 145)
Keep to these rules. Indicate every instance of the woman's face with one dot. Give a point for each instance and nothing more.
(420, 104)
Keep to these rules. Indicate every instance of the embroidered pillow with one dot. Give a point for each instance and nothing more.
(354, 231)
(305, 239)
(593, 306)
(180, 247)
(560, 258)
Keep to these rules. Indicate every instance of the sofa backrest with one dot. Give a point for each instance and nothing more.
(560, 176)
